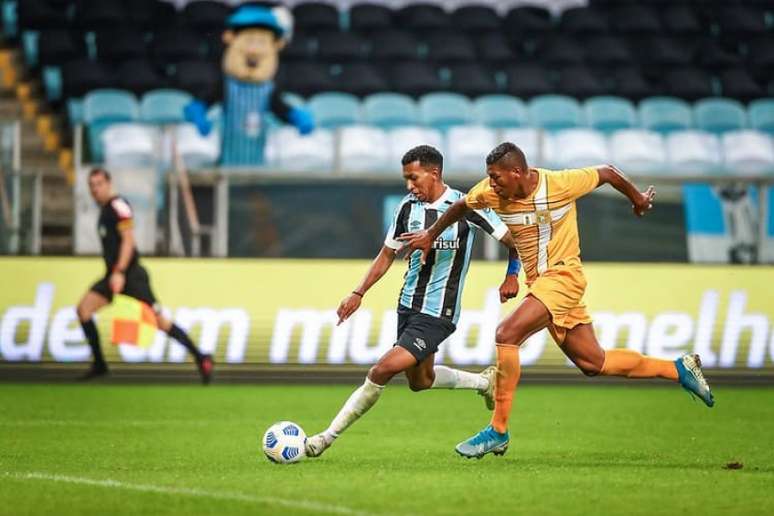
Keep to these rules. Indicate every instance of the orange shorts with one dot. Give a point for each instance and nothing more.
(561, 290)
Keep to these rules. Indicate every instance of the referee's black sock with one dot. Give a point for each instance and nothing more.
(177, 333)
(92, 336)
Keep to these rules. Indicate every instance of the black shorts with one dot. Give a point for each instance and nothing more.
(421, 334)
(137, 286)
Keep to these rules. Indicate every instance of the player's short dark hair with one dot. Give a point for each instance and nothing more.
(427, 156)
(99, 170)
(507, 152)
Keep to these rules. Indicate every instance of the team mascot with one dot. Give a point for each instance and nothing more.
(253, 39)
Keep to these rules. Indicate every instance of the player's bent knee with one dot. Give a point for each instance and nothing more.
(379, 374)
(508, 335)
(590, 368)
(420, 385)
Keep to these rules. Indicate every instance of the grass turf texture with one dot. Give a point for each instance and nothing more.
(112, 449)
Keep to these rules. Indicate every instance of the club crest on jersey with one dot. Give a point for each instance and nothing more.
(443, 245)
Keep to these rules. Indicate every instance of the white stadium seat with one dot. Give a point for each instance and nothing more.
(467, 147)
(402, 139)
(196, 150)
(297, 153)
(575, 148)
(693, 152)
(531, 141)
(364, 148)
(638, 150)
(130, 145)
(748, 152)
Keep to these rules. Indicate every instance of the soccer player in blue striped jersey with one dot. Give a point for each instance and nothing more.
(429, 302)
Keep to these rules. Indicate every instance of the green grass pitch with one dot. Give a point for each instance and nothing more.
(604, 449)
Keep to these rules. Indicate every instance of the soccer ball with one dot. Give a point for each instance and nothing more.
(283, 443)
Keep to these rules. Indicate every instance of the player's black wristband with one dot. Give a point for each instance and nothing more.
(359, 294)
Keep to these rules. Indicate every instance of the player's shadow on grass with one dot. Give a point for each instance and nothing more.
(638, 463)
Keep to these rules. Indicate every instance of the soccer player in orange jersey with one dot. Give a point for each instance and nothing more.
(538, 206)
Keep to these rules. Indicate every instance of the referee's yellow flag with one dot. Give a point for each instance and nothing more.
(133, 322)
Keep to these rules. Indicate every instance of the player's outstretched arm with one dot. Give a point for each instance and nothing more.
(378, 268)
(423, 240)
(642, 202)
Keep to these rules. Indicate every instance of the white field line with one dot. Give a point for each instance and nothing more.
(186, 491)
(118, 422)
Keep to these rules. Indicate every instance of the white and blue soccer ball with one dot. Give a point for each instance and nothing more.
(283, 442)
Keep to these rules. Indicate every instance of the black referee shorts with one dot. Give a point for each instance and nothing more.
(421, 334)
(137, 286)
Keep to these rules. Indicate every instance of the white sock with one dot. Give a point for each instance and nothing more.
(448, 378)
(358, 404)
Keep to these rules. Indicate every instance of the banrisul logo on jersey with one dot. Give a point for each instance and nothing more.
(245, 312)
(441, 244)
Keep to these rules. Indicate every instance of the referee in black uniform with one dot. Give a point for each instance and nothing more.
(123, 275)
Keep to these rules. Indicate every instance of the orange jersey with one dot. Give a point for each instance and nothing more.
(544, 225)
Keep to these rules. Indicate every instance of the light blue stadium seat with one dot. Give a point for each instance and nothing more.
(10, 18)
(388, 110)
(608, 113)
(30, 46)
(718, 115)
(164, 106)
(665, 114)
(293, 99)
(761, 113)
(500, 111)
(75, 110)
(333, 109)
(104, 107)
(52, 82)
(444, 110)
(555, 112)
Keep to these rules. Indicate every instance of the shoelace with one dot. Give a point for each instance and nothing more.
(697, 372)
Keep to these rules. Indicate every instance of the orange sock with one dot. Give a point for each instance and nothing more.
(508, 373)
(625, 362)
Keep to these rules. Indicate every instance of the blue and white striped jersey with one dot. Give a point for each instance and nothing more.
(244, 121)
(436, 288)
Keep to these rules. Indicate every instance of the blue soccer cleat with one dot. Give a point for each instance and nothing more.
(486, 441)
(692, 379)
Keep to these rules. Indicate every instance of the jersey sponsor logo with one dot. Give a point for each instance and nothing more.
(442, 245)
(121, 208)
(415, 225)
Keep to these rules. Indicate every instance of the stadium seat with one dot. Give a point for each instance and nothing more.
(717, 115)
(360, 78)
(30, 44)
(714, 54)
(423, 17)
(638, 151)
(39, 15)
(414, 78)
(369, 17)
(75, 111)
(493, 47)
(130, 145)
(52, 83)
(449, 47)
(394, 45)
(388, 110)
(761, 114)
(739, 84)
(164, 106)
(151, 14)
(364, 148)
(173, 45)
(607, 50)
(688, 83)
(583, 20)
(528, 20)
(471, 79)
(629, 82)
(315, 16)
(476, 19)
(531, 141)
(340, 47)
(500, 111)
(665, 114)
(665, 51)
(196, 151)
(199, 78)
(102, 108)
(555, 112)
(632, 18)
(467, 147)
(297, 153)
(55, 47)
(741, 20)
(301, 47)
(205, 15)
(748, 152)
(580, 82)
(305, 78)
(581, 147)
(401, 139)
(334, 109)
(139, 76)
(693, 152)
(681, 19)
(120, 45)
(609, 114)
(100, 14)
(527, 80)
(444, 110)
(560, 50)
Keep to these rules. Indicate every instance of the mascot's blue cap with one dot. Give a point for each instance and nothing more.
(277, 19)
